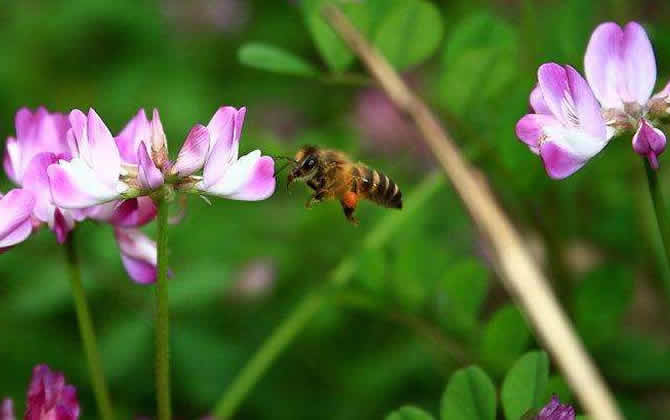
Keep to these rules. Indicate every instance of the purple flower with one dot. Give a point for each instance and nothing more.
(41, 139)
(649, 141)
(554, 410)
(138, 254)
(621, 69)
(7, 410)
(250, 177)
(92, 176)
(49, 398)
(566, 128)
(620, 65)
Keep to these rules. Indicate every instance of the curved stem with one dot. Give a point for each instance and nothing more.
(292, 325)
(162, 317)
(660, 213)
(87, 334)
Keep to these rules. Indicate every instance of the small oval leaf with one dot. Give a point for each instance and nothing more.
(470, 395)
(409, 413)
(410, 33)
(275, 59)
(524, 385)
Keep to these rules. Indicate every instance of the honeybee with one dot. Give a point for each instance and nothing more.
(333, 175)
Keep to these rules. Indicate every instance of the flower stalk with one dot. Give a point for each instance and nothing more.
(162, 317)
(292, 325)
(93, 359)
(660, 214)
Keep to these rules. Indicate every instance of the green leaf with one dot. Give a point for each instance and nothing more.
(600, 301)
(461, 294)
(505, 338)
(470, 395)
(524, 385)
(480, 59)
(334, 51)
(410, 33)
(371, 269)
(409, 413)
(274, 59)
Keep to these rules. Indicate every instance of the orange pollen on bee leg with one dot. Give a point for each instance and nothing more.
(350, 199)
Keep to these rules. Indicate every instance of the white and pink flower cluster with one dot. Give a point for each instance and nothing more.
(70, 168)
(573, 120)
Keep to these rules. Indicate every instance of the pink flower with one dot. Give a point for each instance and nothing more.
(49, 398)
(7, 410)
(41, 139)
(621, 68)
(93, 175)
(620, 65)
(138, 254)
(16, 223)
(649, 141)
(566, 128)
(250, 177)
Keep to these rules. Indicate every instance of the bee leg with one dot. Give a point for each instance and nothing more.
(349, 202)
(315, 199)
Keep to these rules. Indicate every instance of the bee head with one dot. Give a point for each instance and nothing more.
(306, 164)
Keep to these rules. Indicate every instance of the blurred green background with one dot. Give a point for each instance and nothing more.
(423, 304)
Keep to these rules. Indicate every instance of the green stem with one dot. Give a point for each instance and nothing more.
(162, 314)
(660, 213)
(292, 325)
(87, 334)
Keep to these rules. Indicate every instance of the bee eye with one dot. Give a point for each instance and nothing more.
(309, 163)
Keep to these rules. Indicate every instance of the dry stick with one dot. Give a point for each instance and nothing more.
(519, 272)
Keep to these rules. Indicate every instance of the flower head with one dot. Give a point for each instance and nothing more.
(566, 128)
(620, 65)
(50, 398)
(41, 139)
(554, 410)
(225, 174)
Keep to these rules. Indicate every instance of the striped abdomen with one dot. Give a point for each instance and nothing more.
(376, 187)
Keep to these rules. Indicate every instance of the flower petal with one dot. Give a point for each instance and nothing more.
(133, 213)
(223, 148)
(158, 139)
(587, 109)
(138, 129)
(553, 82)
(558, 162)
(603, 64)
(639, 64)
(194, 151)
(249, 178)
(16, 208)
(537, 101)
(36, 180)
(7, 410)
(62, 225)
(530, 129)
(105, 158)
(148, 175)
(138, 254)
(11, 161)
(74, 185)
